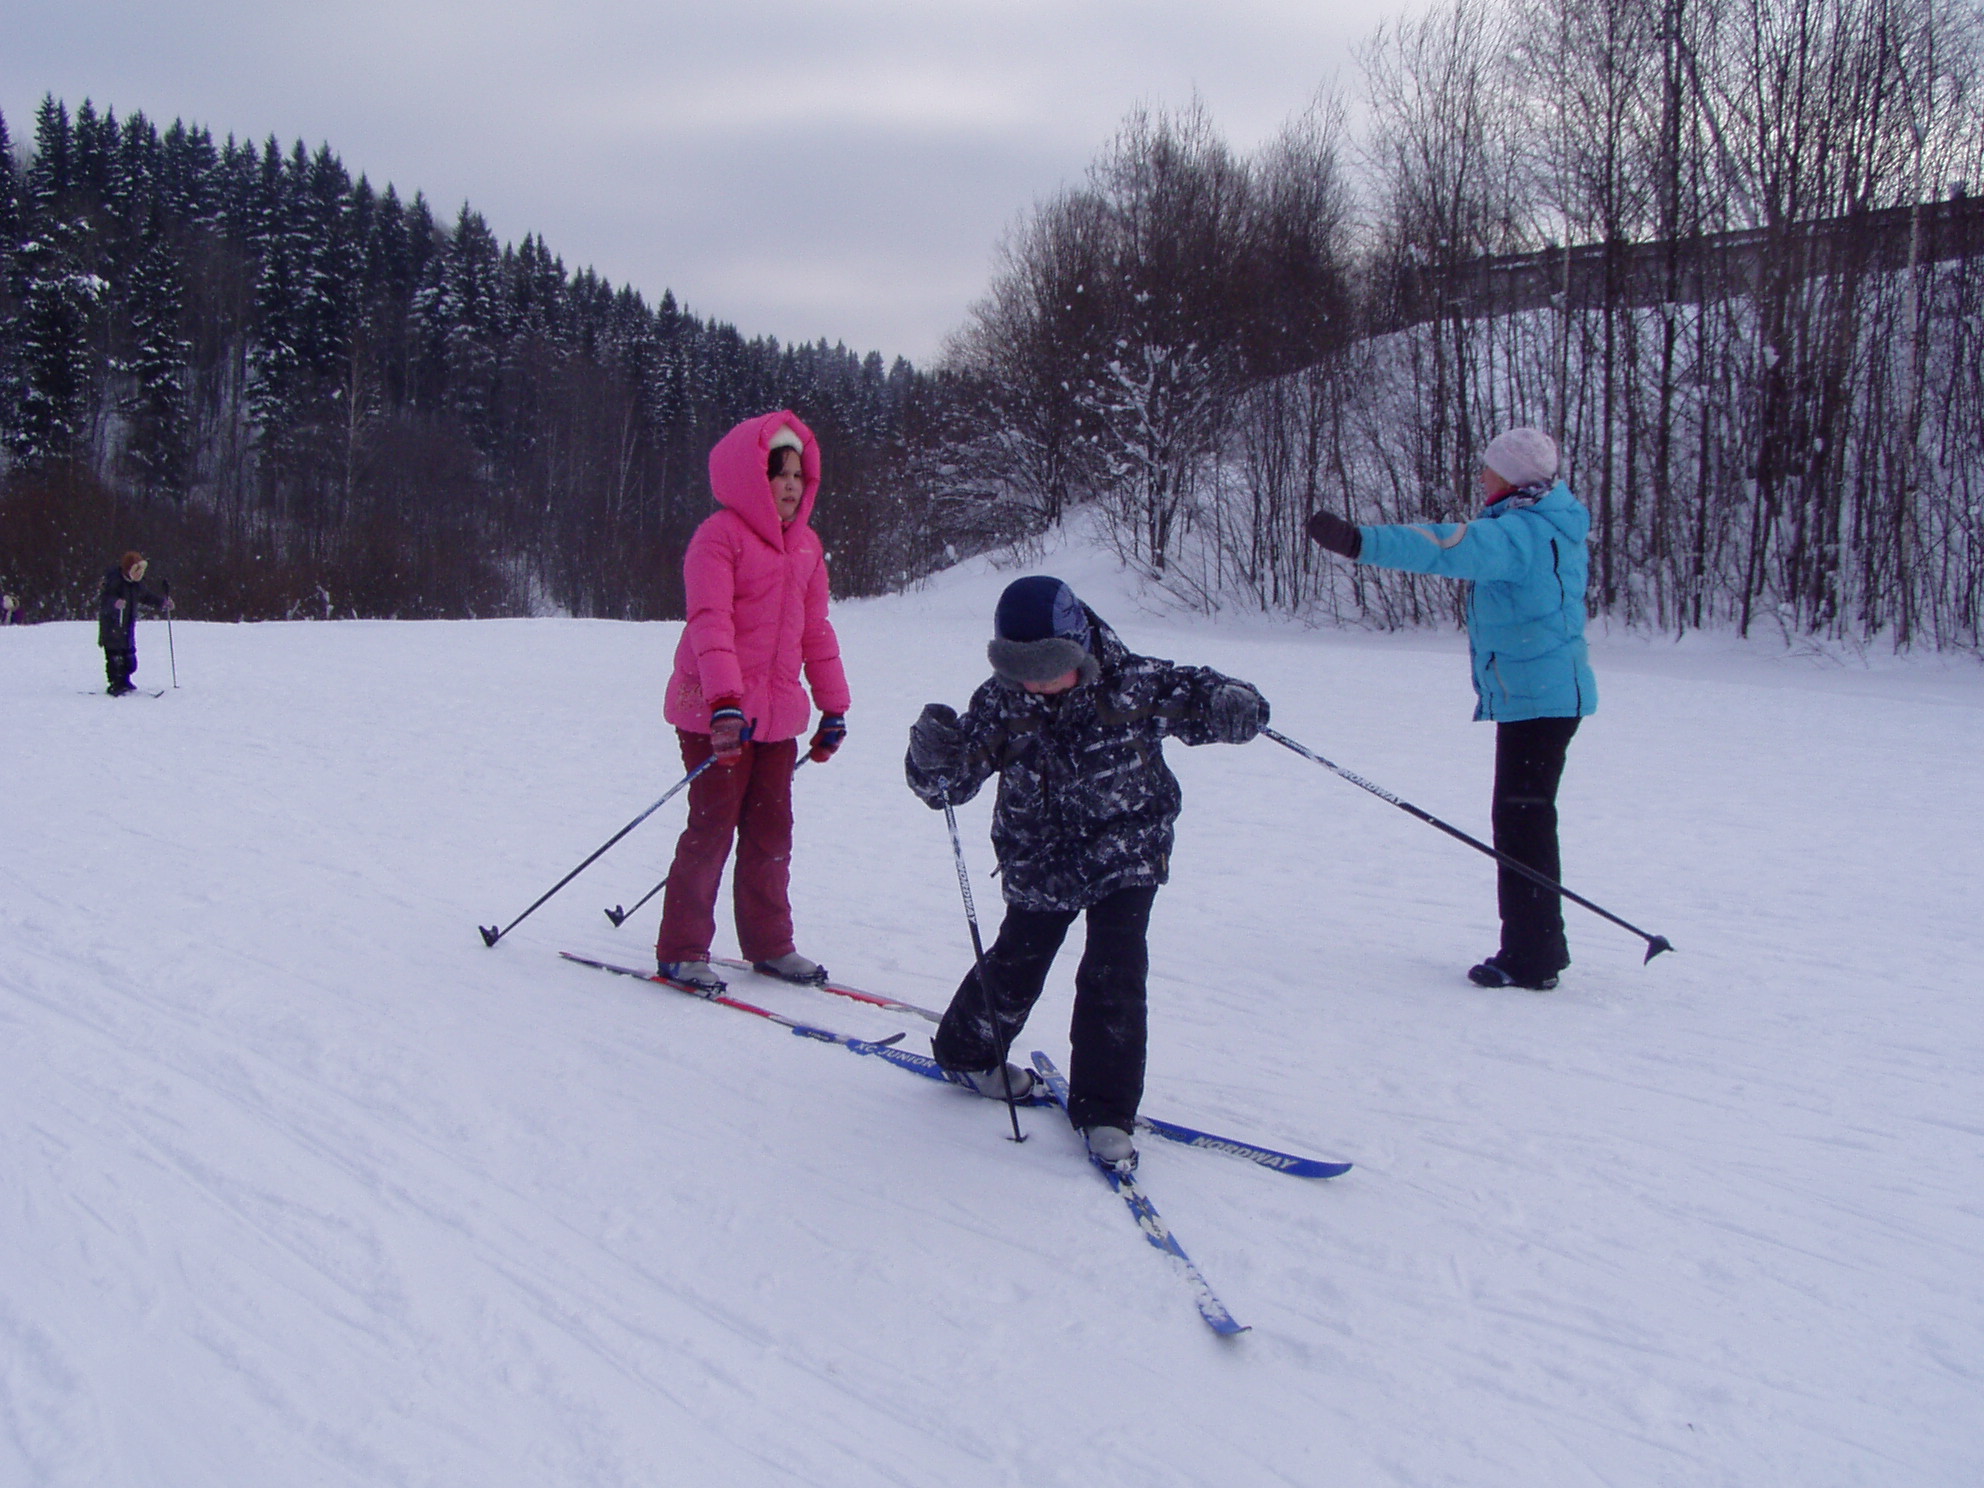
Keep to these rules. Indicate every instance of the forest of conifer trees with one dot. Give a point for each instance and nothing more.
(305, 396)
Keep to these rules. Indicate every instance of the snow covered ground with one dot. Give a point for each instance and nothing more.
(303, 1185)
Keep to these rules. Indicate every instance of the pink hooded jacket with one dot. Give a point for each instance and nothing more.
(757, 593)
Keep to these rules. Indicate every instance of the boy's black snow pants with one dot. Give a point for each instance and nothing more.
(1529, 761)
(118, 665)
(1106, 1037)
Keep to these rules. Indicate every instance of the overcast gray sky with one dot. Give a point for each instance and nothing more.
(804, 168)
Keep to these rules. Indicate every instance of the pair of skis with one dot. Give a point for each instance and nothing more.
(913, 1063)
(804, 1030)
(841, 989)
(1149, 1221)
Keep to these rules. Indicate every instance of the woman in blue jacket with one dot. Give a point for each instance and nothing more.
(1525, 552)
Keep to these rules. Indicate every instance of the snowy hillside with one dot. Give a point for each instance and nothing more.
(303, 1185)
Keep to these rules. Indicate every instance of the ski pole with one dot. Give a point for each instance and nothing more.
(1655, 944)
(170, 652)
(978, 961)
(620, 916)
(490, 934)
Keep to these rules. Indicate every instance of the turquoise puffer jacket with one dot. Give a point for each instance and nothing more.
(1525, 618)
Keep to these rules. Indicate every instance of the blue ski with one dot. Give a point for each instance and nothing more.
(1150, 1221)
(1253, 1152)
(922, 1064)
(1171, 1131)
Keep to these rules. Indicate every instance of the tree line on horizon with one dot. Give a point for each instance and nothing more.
(334, 403)
(310, 397)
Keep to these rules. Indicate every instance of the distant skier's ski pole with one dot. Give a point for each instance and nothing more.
(171, 653)
(1655, 944)
(490, 934)
(620, 916)
(978, 954)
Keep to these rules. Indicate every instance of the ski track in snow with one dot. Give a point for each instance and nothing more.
(306, 1185)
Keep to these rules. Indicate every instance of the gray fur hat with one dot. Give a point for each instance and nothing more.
(1039, 632)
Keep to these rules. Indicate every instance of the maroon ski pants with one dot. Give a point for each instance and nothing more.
(752, 802)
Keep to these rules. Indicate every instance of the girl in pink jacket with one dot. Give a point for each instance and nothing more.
(756, 579)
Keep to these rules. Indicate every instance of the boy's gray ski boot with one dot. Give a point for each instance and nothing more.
(1111, 1146)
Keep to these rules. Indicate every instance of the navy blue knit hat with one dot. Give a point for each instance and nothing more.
(1039, 632)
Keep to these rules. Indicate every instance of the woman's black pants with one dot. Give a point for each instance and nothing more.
(1529, 761)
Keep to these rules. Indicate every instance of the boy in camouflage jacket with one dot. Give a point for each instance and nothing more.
(1073, 723)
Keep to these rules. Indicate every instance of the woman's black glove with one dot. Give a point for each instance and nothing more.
(1238, 711)
(936, 742)
(1339, 536)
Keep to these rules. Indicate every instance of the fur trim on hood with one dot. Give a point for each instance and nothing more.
(737, 471)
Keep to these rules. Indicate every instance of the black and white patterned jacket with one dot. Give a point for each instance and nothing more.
(1086, 803)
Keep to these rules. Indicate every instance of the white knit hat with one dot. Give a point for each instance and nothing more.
(786, 438)
(1522, 457)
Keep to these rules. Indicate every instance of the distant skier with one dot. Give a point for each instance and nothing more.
(756, 580)
(1525, 550)
(1073, 723)
(10, 609)
(117, 619)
